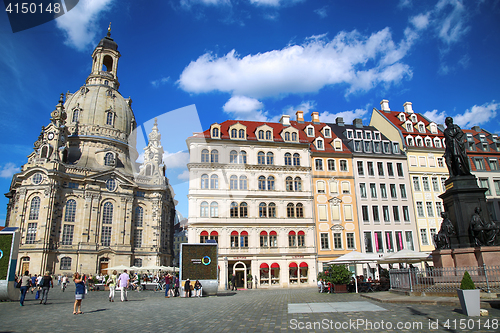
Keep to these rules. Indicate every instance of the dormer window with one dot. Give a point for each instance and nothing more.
(421, 128)
(337, 143)
(234, 133)
(419, 142)
(241, 133)
(482, 138)
(359, 134)
(326, 132)
(376, 147)
(433, 128)
(368, 135)
(409, 127)
(287, 136)
(376, 135)
(413, 118)
(294, 136)
(437, 143)
(349, 134)
(310, 131)
(395, 148)
(387, 148)
(215, 132)
(261, 135)
(268, 135)
(368, 146)
(402, 117)
(428, 142)
(357, 145)
(319, 144)
(409, 141)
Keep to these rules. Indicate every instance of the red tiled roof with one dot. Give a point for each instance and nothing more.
(328, 142)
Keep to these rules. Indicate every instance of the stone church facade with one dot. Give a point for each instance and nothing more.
(81, 202)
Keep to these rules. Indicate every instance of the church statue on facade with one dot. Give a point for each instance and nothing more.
(81, 202)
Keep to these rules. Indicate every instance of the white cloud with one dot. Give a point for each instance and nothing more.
(80, 23)
(8, 170)
(322, 11)
(361, 62)
(274, 3)
(184, 175)
(420, 21)
(305, 106)
(159, 82)
(451, 25)
(245, 108)
(348, 116)
(179, 159)
(477, 115)
(436, 116)
(189, 3)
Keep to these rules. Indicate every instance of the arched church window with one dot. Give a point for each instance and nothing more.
(107, 213)
(76, 115)
(139, 215)
(70, 213)
(107, 63)
(109, 118)
(34, 208)
(109, 159)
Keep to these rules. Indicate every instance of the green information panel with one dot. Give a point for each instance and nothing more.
(5, 246)
(199, 262)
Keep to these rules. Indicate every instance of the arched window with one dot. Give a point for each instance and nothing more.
(234, 209)
(214, 209)
(34, 208)
(273, 239)
(292, 239)
(296, 159)
(243, 157)
(214, 182)
(76, 114)
(262, 209)
(215, 132)
(243, 183)
(262, 183)
(270, 183)
(263, 239)
(289, 183)
(261, 158)
(272, 209)
(234, 238)
(428, 142)
(204, 181)
(234, 133)
(297, 184)
(70, 213)
(109, 159)
(107, 63)
(290, 210)
(288, 159)
(437, 143)
(242, 133)
(233, 156)
(203, 236)
(139, 216)
(294, 136)
(109, 118)
(214, 156)
(233, 182)
(300, 210)
(287, 136)
(261, 135)
(45, 152)
(65, 264)
(270, 158)
(107, 213)
(215, 236)
(204, 209)
(204, 156)
(243, 239)
(301, 238)
(268, 135)
(243, 209)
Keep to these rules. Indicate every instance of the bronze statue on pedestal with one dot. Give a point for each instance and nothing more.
(442, 238)
(455, 153)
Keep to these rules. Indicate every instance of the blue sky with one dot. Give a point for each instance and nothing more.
(213, 60)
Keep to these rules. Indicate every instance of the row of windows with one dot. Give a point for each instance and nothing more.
(383, 191)
(241, 157)
(386, 214)
(334, 186)
(375, 146)
(241, 210)
(484, 183)
(429, 209)
(394, 241)
(480, 165)
(426, 185)
(110, 117)
(266, 240)
(381, 171)
(423, 161)
(261, 134)
(337, 240)
(420, 142)
(330, 165)
(241, 183)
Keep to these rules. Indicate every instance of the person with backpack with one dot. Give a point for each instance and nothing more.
(25, 285)
(46, 283)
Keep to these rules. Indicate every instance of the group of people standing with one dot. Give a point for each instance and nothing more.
(41, 284)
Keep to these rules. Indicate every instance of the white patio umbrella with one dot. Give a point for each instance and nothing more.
(355, 257)
(406, 256)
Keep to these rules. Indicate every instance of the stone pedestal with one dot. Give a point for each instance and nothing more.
(467, 257)
(462, 196)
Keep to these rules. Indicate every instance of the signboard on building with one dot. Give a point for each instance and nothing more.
(9, 245)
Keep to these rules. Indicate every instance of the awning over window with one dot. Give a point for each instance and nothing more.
(291, 233)
(273, 233)
(275, 265)
(214, 233)
(244, 233)
(264, 266)
(234, 233)
(263, 233)
(204, 233)
(293, 265)
(301, 233)
(303, 264)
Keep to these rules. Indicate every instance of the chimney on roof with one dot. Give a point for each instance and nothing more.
(476, 128)
(408, 108)
(315, 117)
(384, 105)
(358, 122)
(285, 120)
(300, 116)
(339, 121)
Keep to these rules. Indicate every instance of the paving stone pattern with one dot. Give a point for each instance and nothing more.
(281, 310)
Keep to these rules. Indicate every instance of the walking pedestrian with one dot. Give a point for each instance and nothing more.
(46, 284)
(187, 288)
(25, 285)
(79, 293)
(33, 283)
(123, 283)
(168, 282)
(176, 286)
(112, 285)
(233, 282)
(59, 280)
(64, 282)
